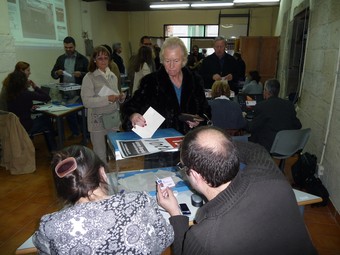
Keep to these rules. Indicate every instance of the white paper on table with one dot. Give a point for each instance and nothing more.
(153, 121)
(52, 108)
(145, 181)
(105, 91)
(67, 74)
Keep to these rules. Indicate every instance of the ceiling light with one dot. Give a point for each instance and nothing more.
(227, 26)
(255, 1)
(168, 6)
(211, 5)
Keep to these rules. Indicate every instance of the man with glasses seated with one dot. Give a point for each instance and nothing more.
(252, 211)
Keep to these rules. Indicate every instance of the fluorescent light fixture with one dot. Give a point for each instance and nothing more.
(211, 5)
(255, 1)
(168, 6)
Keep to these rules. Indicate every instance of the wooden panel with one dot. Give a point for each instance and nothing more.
(268, 57)
(250, 49)
(260, 53)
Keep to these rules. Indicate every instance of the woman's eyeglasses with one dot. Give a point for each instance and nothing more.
(102, 58)
(183, 168)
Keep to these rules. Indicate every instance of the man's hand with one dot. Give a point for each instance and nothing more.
(77, 74)
(59, 72)
(228, 77)
(217, 77)
(167, 200)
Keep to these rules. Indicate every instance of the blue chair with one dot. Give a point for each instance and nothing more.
(287, 143)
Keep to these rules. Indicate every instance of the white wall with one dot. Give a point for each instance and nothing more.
(7, 50)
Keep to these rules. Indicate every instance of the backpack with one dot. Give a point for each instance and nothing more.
(314, 186)
(304, 168)
(303, 172)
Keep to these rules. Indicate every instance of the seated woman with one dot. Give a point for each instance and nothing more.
(225, 113)
(19, 100)
(93, 222)
(252, 84)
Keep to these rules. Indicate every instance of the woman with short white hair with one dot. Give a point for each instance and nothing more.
(171, 90)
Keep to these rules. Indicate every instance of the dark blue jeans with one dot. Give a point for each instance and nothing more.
(73, 123)
(42, 124)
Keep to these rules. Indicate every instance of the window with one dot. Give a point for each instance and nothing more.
(231, 26)
(189, 32)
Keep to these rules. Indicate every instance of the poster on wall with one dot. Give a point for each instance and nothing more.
(37, 22)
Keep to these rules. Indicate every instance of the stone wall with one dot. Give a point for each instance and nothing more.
(319, 104)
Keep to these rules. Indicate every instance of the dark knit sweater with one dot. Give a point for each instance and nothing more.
(256, 214)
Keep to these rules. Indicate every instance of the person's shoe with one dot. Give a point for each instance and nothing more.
(72, 137)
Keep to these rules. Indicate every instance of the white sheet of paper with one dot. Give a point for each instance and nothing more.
(52, 108)
(153, 121)
(67, 74)
(106, 91)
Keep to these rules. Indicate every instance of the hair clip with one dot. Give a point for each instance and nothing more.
(65, 167)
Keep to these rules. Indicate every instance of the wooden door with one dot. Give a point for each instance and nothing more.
(260, 53)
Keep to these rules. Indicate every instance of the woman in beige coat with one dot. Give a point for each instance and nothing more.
(101, 97)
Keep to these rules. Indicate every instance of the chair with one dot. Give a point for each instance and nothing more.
(287, 143)
(17, 150)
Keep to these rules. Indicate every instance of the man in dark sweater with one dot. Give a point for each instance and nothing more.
(249, 211)
(271, 116)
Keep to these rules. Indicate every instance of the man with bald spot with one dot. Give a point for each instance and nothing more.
(248, 211)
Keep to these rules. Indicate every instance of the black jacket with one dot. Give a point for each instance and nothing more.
(211, 65)
(156, 90)
(270, 117)
(119, 61)
(81, 65)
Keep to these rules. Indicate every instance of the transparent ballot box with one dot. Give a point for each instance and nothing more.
(63, 93)
(128, 152)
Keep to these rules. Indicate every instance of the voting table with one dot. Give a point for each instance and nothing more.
(133, 176)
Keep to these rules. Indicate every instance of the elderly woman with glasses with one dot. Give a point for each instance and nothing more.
(171, 91)
(94, 222)
(102, 98)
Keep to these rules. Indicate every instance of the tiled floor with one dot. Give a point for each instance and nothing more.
(25, 198)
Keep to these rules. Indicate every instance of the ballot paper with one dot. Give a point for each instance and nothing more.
(153, 121)
(106, 91)
(67, 74)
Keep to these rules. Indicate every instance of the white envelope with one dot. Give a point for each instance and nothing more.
(153, 120)
(106, 91)
(67, 74)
